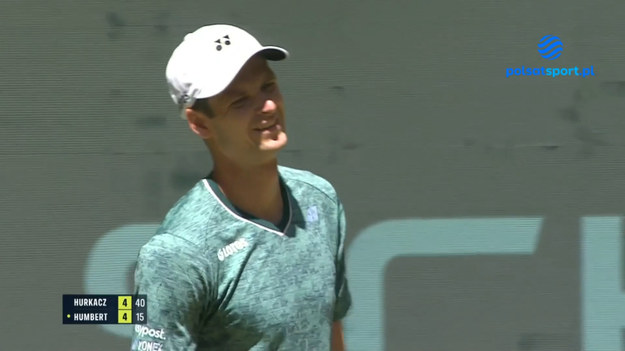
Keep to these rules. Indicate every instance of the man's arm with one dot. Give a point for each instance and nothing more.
(338, 344)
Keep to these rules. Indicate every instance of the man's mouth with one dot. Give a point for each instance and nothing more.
(270, 128)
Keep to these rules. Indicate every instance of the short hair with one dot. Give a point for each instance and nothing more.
(203, 106)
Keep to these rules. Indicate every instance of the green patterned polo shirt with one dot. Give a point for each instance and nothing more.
(219, 279)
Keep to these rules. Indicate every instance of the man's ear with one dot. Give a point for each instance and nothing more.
(199, 123)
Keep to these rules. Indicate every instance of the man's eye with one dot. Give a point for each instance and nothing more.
(239, 102)
(269, 86)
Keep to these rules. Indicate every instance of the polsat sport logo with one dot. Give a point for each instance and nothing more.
(550, 47)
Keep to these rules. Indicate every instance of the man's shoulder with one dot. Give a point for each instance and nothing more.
(191, 200)
(164, 246)
(311, 181)
(190, 216)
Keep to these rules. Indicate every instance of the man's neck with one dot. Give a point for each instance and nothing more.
(254, 190)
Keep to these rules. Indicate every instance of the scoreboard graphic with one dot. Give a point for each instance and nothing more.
(105, 309)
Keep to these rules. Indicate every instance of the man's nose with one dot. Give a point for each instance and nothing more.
(269, 106)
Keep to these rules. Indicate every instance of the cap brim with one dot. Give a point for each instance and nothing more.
(273, 53)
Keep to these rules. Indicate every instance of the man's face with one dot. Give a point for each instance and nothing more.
(248, 126)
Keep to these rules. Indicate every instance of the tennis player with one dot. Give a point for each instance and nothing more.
(252, 257)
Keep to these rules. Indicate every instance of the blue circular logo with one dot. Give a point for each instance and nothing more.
(550, 47)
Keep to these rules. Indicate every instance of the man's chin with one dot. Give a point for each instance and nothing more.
(274, 144)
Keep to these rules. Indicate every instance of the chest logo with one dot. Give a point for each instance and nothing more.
(231, 249)
(312, 215)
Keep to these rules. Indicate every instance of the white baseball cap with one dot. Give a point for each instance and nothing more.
(208, 59)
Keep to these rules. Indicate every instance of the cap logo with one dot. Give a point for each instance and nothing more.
(184, 98)
(226, 41)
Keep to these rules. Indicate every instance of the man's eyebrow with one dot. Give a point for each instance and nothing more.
(270, 76)
(233, 93)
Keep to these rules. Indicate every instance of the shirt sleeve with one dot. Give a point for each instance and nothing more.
(174, 279)
(343, 296)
